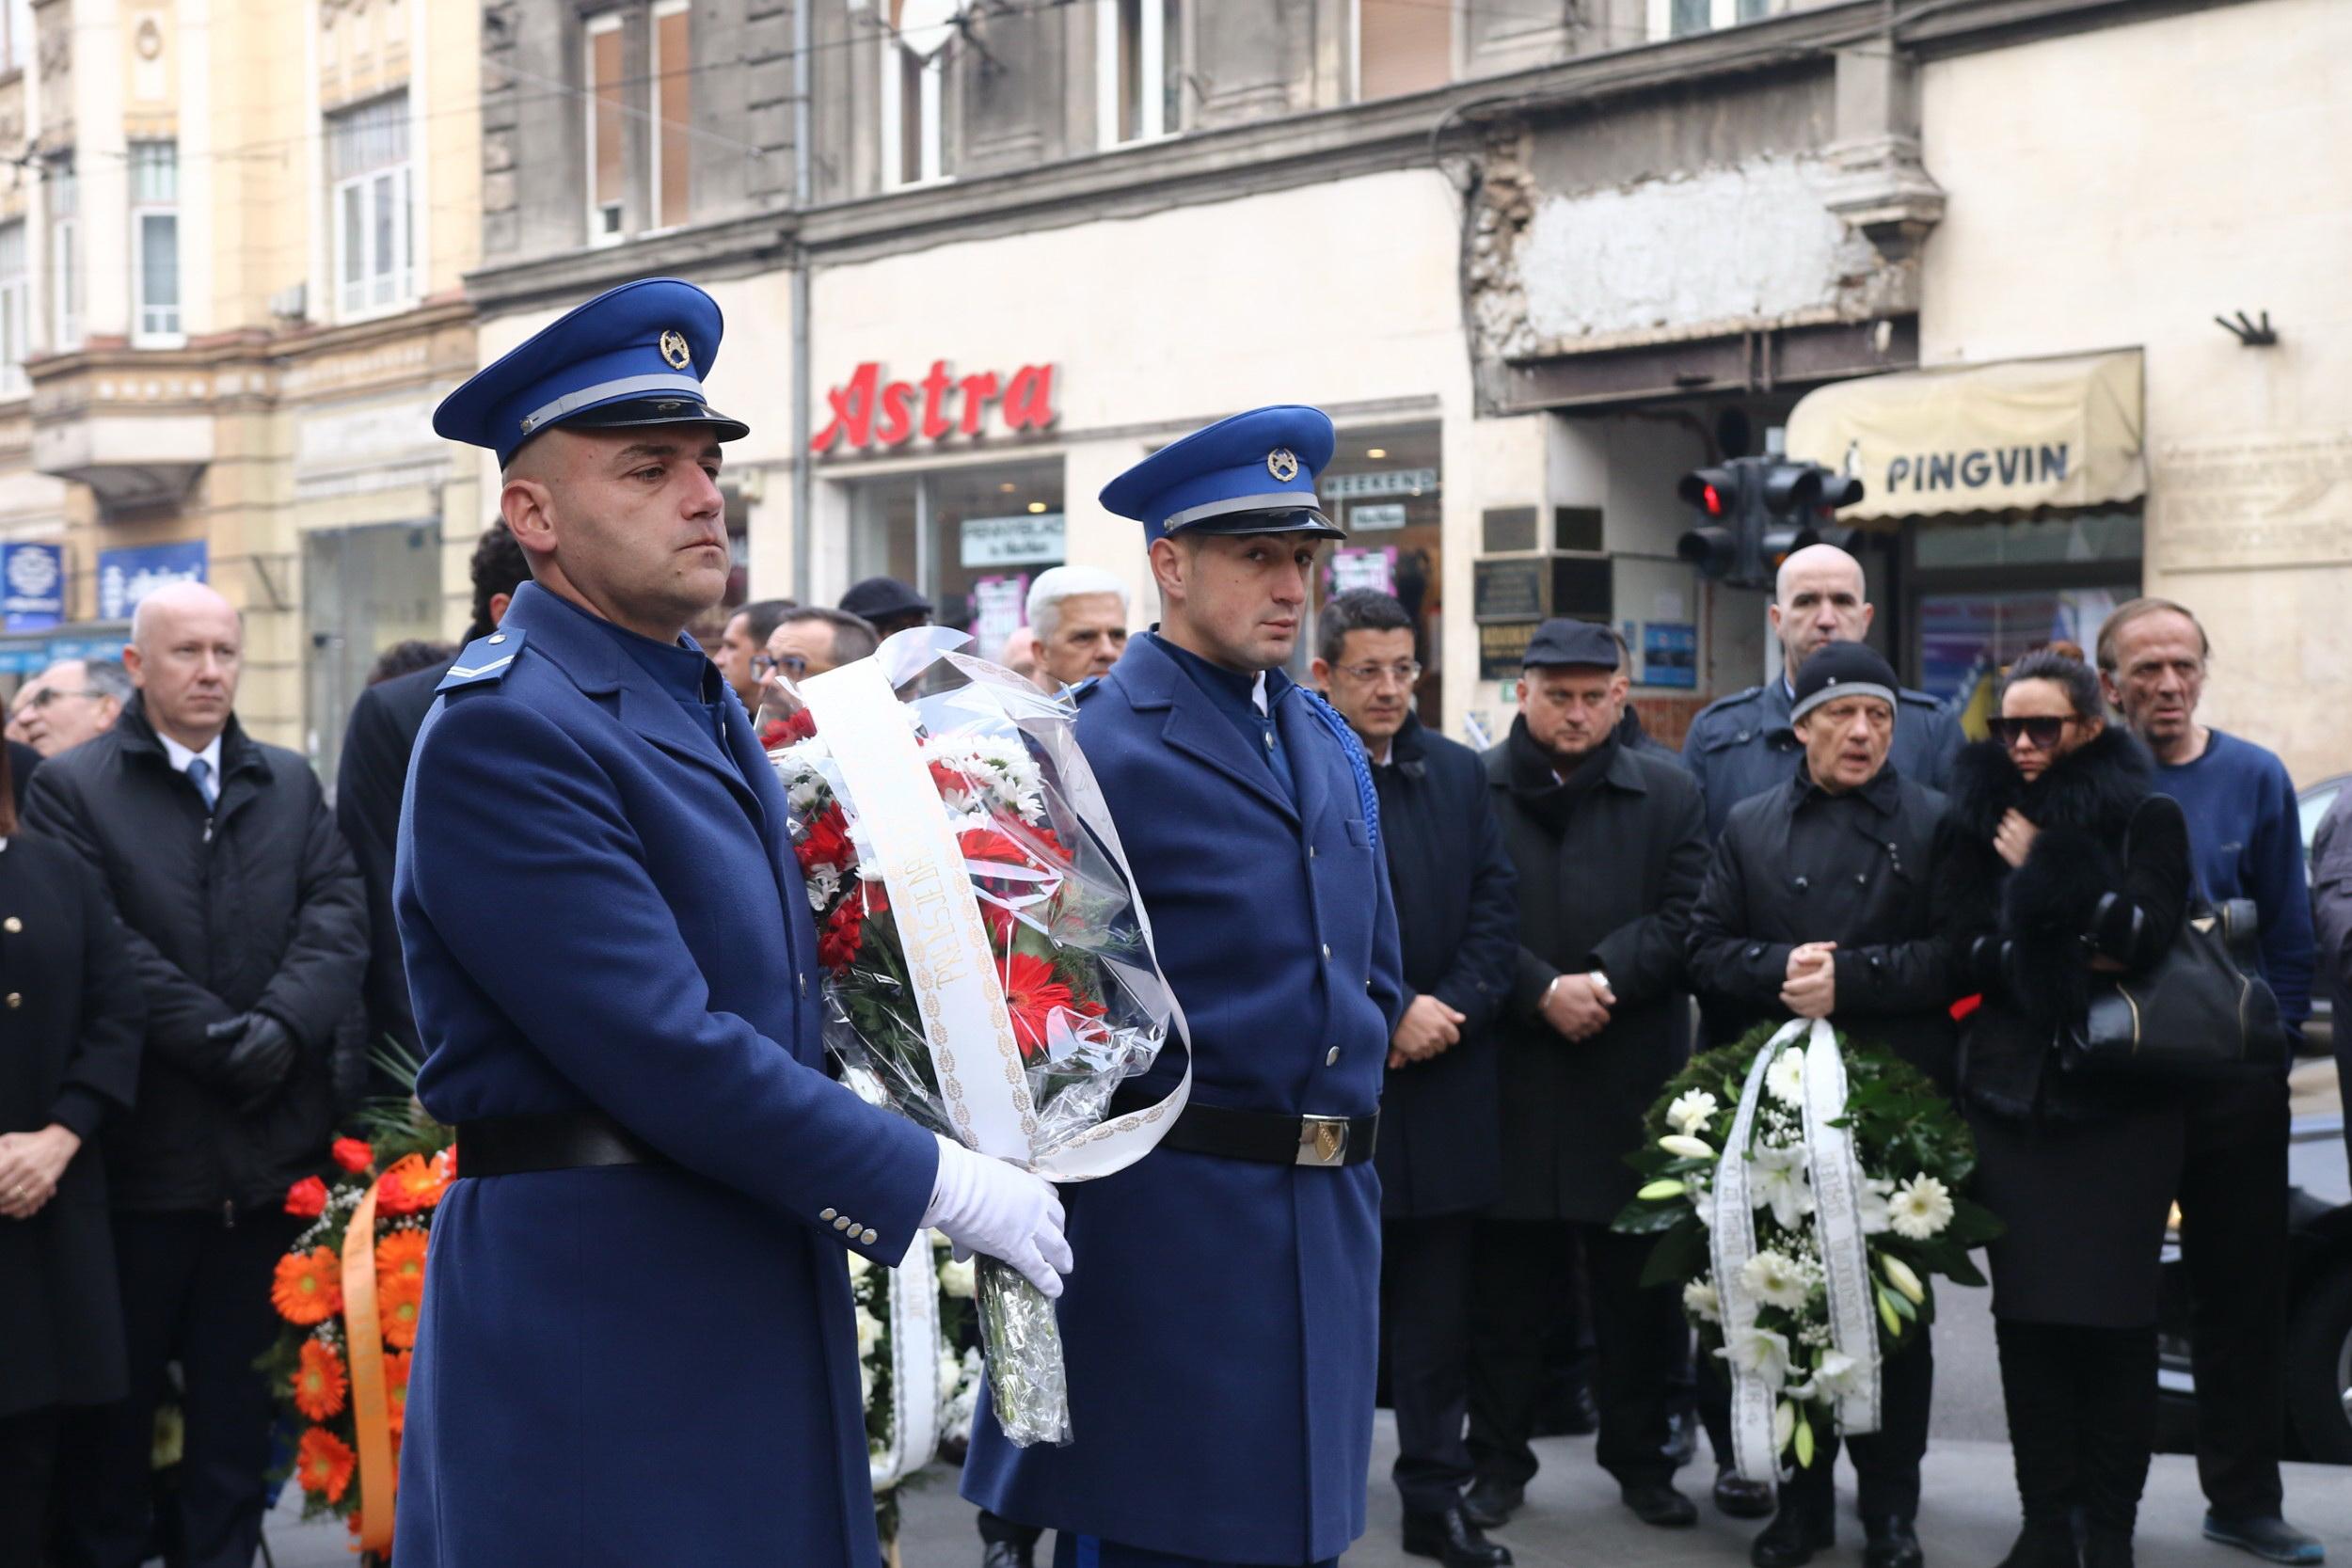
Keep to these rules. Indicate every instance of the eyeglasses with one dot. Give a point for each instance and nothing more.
(791, 664)
(49, 694)
(2042, 732)
(1373, 674)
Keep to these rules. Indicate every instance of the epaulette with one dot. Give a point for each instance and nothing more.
(1918, 699)
(1084, 690)
(484, 662)
(1751, 694)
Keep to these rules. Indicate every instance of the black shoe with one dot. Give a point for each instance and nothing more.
(1009, 1554)
(1796, 1532)
(1682, 1439)
(2104, 1546)
(1453, 1540)
(1658, 1503)
(1890, 1543)
(1740, 1499)
(1490, 1503)
(2045, 1544)
(2270, 1538)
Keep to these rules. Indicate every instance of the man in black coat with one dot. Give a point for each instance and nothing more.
(247, 926)
(374, 774)
(1610, 846)
(1817, 904)
(1458, 928)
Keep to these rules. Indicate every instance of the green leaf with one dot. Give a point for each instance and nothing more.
(1681, 1254)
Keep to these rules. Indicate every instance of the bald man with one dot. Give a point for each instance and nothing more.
(247, 924)
(1744, 744)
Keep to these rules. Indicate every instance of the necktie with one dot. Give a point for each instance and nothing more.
(200, 775)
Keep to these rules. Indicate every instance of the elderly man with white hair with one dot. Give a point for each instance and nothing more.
(1079, 614)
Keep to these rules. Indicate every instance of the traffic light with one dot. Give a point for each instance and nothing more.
(1756, 512)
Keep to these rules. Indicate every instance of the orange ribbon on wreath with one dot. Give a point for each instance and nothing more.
(371, 1405)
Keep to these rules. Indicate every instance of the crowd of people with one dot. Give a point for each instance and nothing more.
(200, 952)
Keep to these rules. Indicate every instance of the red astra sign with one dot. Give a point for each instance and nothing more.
(868, 412)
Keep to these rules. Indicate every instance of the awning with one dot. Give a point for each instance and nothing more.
(2003, 438)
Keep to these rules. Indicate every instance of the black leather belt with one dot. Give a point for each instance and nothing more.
(567, 1140)
(1262, 1137)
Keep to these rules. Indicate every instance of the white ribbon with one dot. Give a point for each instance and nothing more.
(915, 1349)
(1731, 1240)
(975, 1057)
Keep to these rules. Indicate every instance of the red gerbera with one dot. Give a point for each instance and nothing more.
(826, 842)
(1034, 992)
(838, 944)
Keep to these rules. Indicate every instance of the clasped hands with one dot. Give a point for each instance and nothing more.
(1810, 989)
(1429, 1028)
(31, 1164)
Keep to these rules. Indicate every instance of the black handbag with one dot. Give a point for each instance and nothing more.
(2202, 1011)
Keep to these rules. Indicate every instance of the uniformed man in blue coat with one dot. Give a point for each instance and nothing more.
(1744, 744)
(637, 1344)
(1221, 1338)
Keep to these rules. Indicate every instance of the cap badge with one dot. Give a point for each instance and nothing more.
(1282, 464)
(674, 350)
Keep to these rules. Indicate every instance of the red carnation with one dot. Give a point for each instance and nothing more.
(844, 934)
(799, 726)
(307, 1198)
(353, 1155)
(826, 842)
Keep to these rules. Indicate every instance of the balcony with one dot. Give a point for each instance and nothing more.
(136, 427)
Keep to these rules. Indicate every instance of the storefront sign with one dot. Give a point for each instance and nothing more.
(1000, 606)
(1026, 539)
(1503, 648)
(1508, 590)
(1380, 482)
(868, 412)
(1376, 516)
(1670, 654)
(1372, 569)
(2257, 498)
(32, 580)
(126, 577)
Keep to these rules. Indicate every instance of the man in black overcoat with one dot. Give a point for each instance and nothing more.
(1610, 844)
(1457, 928)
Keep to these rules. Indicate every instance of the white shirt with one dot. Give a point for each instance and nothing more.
(1257, 693)
(180, 757)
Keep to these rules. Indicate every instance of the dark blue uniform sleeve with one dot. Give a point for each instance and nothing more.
(2279, 883)
(520, 853)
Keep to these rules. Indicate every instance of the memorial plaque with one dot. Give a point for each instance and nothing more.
(2261, 498)
(1510, 589)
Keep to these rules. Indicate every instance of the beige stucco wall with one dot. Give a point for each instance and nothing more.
(2119, 187)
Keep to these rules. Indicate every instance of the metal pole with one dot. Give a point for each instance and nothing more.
(803, 478)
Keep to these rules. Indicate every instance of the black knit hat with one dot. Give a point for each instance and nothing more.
(1842, 669)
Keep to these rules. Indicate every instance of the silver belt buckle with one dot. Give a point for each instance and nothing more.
(1322, 1140)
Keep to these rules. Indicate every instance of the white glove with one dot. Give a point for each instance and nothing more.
(986, 1205)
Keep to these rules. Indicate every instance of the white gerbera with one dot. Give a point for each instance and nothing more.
(1699, 1300)
(1762, 1352)
(1921, 1207)
(1691, 1112)
(955, 1279)
(1781, 1182)
(1785, 1079)
(1775, 1280)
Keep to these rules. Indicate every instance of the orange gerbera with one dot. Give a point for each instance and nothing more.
(319, 1382)
(308, 1286)
(401, 1253)
(397, 1387)
(410, 1185)
(398, 1299)
(323, 1464)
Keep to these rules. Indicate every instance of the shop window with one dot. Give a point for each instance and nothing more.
(971, 539)
(1139, 77)
(1982, 592)
(1402, 48)
(1383, 488)
(155, 243)
(371, 206)
(65, 255)
(363, 589)
(16, 309)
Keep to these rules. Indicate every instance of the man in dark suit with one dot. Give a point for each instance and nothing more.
(1457, 928)
(373, 772)
(1610, 844)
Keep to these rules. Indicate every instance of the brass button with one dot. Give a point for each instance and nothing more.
(867, 1237)
(12, 926)
(1331, 1057)
(1327, 952)
(1311, 851)
(497, 639)
(803, 985)
(829, 1213)
(843, 1223)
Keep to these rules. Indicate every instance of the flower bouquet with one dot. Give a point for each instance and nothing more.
(989, 964)
(1804, 1192)
(919, 1392)
(349, 1290)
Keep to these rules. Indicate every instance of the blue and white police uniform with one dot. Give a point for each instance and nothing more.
(637, 1344)
(1220, 1330)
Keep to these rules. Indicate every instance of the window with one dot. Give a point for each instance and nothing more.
(607, 133)
(155, 241)
(910, 115)
(16, 309)
(65, 256)
(1137, 81)
(1680, 18)
(1383, 487)
(1402, 48)
(673, 104)
(971, 540)
(17, 39)
(368, 163)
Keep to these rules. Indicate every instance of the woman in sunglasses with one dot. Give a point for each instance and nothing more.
(2058, 859)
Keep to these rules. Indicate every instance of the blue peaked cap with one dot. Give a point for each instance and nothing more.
(632, 356)
(1253, 473)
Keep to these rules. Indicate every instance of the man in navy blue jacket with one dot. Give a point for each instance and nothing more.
(1220, 1340)
(2246, 837)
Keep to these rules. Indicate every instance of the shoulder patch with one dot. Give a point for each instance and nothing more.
(1085, 689)
(484, 662)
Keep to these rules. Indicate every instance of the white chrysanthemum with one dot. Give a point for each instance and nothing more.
(1699, 1300)
(1775, 1280)
(1921, 1207)
(1762, 1352)
(1785, 1079)
(869, 1333)
(955, 1279)
(1781, 1182)
(1691, 1112)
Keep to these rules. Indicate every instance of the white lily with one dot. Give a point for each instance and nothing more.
(1691, 1111)
(1760, 1352)
(1686, 1147)
(1784, 1426)
(1833, 1379)
(1876, 1216)
(1781, 1182)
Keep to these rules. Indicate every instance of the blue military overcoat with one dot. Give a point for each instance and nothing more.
(1221, 1327)
(599, 907)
